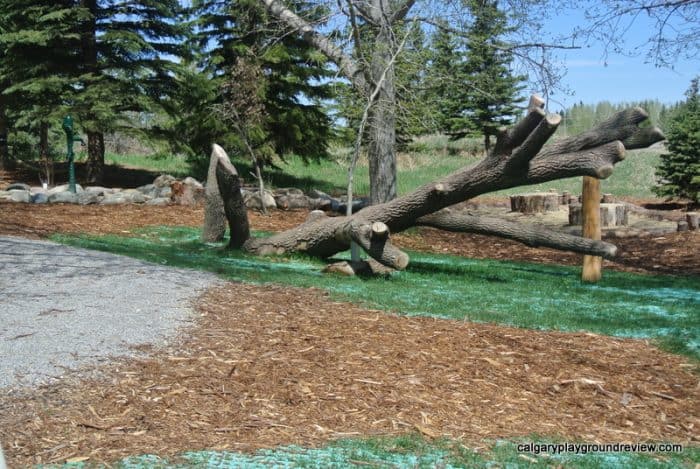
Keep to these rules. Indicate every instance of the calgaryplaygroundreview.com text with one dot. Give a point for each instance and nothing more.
(584, 448)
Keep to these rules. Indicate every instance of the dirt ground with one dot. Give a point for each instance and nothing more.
(267, 366)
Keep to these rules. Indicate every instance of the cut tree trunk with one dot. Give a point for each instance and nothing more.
(693, 219)
(516, 159)
(535, 203)
(214, 216)
(610, 215)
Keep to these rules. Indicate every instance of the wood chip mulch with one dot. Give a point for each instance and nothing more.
(267, 366)
(671, 253)
(42, 220)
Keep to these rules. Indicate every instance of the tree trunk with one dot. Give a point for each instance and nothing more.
(5, 161)
(44, 154)
(382, 120)
(96, 157)
(516, 159)
(487, 143)
(96, 146)
(534, 203)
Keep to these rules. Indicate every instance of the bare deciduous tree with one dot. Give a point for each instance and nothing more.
(368, 57)
(674, 30)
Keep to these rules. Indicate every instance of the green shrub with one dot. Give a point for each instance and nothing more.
(679, 170)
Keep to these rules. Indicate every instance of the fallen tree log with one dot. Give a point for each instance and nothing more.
(518, 158)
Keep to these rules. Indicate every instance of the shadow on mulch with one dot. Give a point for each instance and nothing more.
(114, 176)
(268, 365)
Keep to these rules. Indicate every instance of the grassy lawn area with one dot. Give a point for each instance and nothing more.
(416, 452)
(525, 295)
(424, 160)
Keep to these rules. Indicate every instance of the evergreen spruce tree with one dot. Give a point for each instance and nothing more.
(39, 41)
(128, 50)
(488, 94)
(294, 75)
(416, 114)
(442, 77)
(679, 170)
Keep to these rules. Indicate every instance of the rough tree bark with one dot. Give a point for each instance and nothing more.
(96, 143)
(5, 162)
(381, 16)
(517, 158)
(214, 216)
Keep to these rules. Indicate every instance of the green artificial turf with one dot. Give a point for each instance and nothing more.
(412, 451)
(519, 294)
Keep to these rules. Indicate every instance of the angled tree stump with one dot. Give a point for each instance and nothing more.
(518, 158)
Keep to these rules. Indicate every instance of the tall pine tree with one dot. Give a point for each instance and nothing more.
(483, 93)
(39, 41)
(129, 51)
(295, 74)
(679, 170)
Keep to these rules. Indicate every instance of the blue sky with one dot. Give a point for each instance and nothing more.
(593, 77)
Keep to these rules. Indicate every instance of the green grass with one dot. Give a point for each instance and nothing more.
(331, 176)
(425, 159)
(165, 163)
(413, 451)
(524, 295)
(426, 162)
(633, 177)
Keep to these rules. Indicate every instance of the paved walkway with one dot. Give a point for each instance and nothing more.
(63, 307)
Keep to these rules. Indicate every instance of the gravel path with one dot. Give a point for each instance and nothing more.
(63, 307)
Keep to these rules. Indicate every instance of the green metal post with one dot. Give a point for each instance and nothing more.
(68, 129)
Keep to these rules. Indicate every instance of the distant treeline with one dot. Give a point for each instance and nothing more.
(581, 117)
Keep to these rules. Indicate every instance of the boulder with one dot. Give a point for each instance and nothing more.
(40, 198)
(187, 192)
(159, 201)
(63, 198)
(64, 188)
(292, 201)
(18, 186)
(252, 200)
(133, 196)
(164, 180)
(150, 191)
(113, 199)
(88, 198)
(190, 181)
(97, 190)
(20, 195)
(164, 192)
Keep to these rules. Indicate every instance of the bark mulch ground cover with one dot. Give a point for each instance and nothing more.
(267, 366)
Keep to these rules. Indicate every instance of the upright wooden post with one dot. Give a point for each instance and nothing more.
(592, 265)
